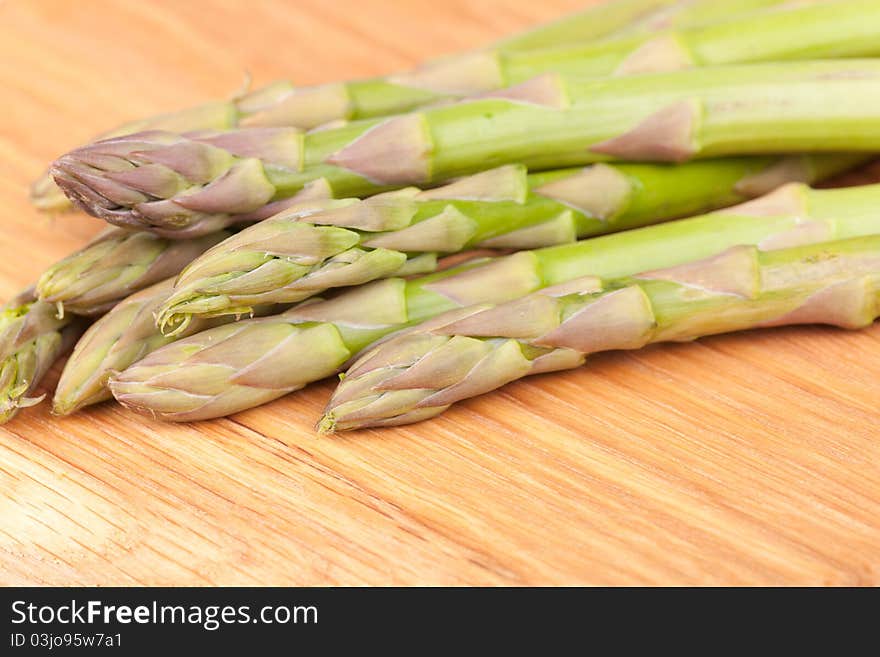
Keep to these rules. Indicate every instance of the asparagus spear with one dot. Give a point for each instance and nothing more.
(608, 19)
(34, 332)
(115, 264)
(847, 28)
(32, 337)
(731, 31)
(686, 14)
(420, 374)
(47, 196)
(241, 365)
(176, 184)
(280, 104)
(299, 253)
(121, 337)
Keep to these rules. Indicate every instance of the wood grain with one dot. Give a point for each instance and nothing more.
(744, 459)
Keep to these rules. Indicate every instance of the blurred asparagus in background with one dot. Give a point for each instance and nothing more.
(302, 252)
(174, 185)
(230, 368)
(282, 104)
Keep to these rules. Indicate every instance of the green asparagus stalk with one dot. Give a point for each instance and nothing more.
(848, 28)
(191, 185)
(422, 373)
(609, 19)
(299, 253)
(115, 264)
(32, 337)
(686, 14)
(729, 32)
(241, 365)
(280, 104)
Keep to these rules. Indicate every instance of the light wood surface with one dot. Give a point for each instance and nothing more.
(744, 459)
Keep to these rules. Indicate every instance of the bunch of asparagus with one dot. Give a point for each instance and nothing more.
(576, 152)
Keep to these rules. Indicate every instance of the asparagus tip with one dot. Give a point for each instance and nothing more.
(62, 406)
(326, 425)
(171, 323)
(16, 400)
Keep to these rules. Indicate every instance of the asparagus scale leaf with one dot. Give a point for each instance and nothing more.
(188, 185)
(241, 365)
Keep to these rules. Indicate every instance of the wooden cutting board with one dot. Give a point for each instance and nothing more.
(745, 459)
